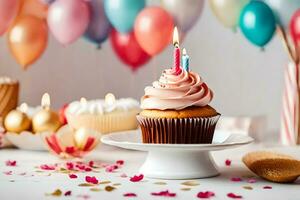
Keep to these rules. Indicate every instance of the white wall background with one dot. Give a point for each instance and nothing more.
(246, 80)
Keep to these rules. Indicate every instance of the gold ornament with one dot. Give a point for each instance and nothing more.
(46, 119)
(17, 121)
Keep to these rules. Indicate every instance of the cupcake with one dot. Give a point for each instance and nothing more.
(176, 110)
(9, 93)
(103, 116)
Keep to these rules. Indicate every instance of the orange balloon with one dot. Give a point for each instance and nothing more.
(27, 39)
(153, 29)
(33, 7)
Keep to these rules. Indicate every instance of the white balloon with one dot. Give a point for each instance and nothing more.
(184, 12)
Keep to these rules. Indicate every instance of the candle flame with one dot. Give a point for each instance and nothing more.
(83, 100)
(23, 107)
(184, 51)
(110, 98)
(175, 37)
(46, 101)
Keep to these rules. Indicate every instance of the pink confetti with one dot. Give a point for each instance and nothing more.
(68, 193)
(123, 175)
(267, 187)
(111, 168)
(165, 193)
(205, 195)
(129, 195)
(120, 162)
(70, 166)
(236, 179)
(227, 162)
(234, 196)
(72, 176)
(252, 180)
(22, 174)
(8, 173)
(11, 163)
(91, 179)
(137, 178)
(47, 167)
(91, 163)
(88, 169)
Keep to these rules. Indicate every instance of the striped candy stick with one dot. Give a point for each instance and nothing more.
(290, 124)
(290, 106)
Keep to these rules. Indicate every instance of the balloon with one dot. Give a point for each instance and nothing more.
(122, 13)
(34, 8)
(27, 40)
(185, 13)
(8, 12)
(228, 11)
(68, 19)
(153, 29)
(257, 23)
(128, 49)
(99, 27)
(283, 10)
(47, 2)
(295, 27)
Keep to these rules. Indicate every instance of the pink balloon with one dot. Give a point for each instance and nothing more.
(68, 19)
(8, 12)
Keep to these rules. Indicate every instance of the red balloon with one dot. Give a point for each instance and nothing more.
(128, 50)
(295, 27)
(153, 29)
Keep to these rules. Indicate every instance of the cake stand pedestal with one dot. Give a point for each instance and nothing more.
(177, 161)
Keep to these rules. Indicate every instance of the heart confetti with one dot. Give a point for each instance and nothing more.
(137, 178)
(236, 179)
(130, 194)
(165, 193)
(72, 176)
(91, 179)
(234, 196)
(267, 187)
(205, 195)
(11, 163)
(228, 162)
(68, 193)
(247, 187)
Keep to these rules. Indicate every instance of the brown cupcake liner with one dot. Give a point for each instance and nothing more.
(178, 130)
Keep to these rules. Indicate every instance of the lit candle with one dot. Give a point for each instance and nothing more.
(176, 50)
(185, 60)
(45, 119)
(83, 101)
(110, 99)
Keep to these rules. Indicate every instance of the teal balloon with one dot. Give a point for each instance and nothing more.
(257, 23)
(122, 13)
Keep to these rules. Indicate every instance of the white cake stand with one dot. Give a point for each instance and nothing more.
(177, 161)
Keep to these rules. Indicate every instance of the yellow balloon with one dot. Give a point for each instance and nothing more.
(27, 39)
(228, 11)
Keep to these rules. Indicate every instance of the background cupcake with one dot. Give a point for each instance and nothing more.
(176, 110)
(104, 116)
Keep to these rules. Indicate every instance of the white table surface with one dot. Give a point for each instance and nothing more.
(34, 187)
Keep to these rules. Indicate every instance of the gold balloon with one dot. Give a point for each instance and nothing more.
(228, 11)
(45, 120)
(17, 121)
(27, 39)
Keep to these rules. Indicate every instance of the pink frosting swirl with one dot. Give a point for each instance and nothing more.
(176, 90)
